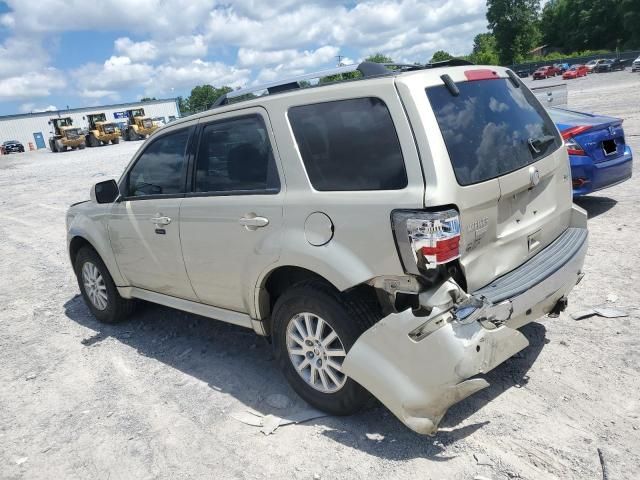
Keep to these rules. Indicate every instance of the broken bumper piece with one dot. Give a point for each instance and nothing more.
(419, 381)
(418, 366)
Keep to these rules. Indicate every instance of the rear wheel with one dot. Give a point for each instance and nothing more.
(98, 290)
(92, 140)
(81, 146)
(115, 140)
(132, 134)
(314, 328)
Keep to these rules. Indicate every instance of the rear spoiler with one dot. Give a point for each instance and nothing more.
(552, 95)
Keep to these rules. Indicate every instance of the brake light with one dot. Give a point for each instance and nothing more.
(482, 74)
(573, 147)
(573, 131)
(426, 239)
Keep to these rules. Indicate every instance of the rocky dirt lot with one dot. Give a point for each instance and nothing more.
(153, 398)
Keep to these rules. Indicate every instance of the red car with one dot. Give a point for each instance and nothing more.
(575, 71)
(545, 72)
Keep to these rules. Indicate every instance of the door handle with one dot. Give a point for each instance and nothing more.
(161, 220)
(251, 223)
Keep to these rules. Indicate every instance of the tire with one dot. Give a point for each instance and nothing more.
(82, 146)
(92, 140)
(115, 140)
(52, 146)
(115, 308)
(60, 147)
(348, 317)
(132, 134)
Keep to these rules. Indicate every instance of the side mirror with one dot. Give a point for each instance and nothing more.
(105, 192)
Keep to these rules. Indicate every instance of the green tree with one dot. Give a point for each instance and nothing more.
(378, 58)
(440, 56)
(183, 105)
(514, 24)
(484, 50)
(204, 96)
(148, 99)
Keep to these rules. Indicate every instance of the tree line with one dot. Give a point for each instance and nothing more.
(571, 27)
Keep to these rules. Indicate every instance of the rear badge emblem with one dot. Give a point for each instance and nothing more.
(534, 176)
(612, 130)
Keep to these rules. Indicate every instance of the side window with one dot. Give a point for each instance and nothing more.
(161, 168)
(235, 156)
(349, 145)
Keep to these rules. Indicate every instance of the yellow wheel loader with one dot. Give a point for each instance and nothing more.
(65, 135)
(101, 132)
(138, 125)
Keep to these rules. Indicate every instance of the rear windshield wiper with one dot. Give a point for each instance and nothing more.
(538, 143)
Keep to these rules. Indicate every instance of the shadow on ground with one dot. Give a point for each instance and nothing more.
(595, 205)
(234, 360)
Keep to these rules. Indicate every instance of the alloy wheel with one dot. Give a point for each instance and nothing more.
(316, 352)
(94, 286)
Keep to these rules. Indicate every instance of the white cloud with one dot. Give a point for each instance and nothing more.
(170, 46)
(136, 51)
(30, 107)
(33, 84)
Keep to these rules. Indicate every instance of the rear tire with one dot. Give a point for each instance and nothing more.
(81, 146)
(92, 141)
(98, 290)
(115, 140)
(320, 304)
(132, 134)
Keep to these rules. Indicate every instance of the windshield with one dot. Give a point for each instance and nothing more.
(492, 128)
(138, 113)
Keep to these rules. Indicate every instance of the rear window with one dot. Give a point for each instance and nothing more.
(349, 145)
(492, 128)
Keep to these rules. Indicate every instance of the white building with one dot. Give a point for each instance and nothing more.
(34, 128)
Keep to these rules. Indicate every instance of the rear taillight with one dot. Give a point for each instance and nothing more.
(573, 147)
(426, 239)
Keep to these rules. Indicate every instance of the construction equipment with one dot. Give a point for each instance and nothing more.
(101, 132)
(65, 135)
(138, 125)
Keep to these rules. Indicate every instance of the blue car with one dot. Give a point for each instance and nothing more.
(597, 150)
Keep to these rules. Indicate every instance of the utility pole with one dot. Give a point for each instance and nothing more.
(339, 57)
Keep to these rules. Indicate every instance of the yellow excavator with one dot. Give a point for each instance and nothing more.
(101, 132)
(138, 125)
(65, 135)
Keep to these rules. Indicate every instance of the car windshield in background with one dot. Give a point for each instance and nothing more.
(492, 128)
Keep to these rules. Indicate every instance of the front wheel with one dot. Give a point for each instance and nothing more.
(97, 287)
(313, 330)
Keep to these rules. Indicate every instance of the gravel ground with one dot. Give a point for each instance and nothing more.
(153, 398)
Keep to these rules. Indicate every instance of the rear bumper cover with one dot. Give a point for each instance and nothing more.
(602, 174)
(420, 366)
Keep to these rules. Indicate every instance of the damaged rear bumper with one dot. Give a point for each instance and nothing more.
(423, 365)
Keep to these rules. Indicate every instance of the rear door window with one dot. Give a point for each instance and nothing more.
(492, 128)
(235, 156)
(349, 145)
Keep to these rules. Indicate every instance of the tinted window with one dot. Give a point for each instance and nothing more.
(349, 145)
(161, 168)
(235, 155)
(492, 128)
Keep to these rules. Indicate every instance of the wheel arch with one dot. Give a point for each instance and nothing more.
(276, 281)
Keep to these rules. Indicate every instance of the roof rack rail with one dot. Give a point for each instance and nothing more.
(367, 69)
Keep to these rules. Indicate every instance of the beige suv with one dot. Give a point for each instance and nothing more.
(389, 233)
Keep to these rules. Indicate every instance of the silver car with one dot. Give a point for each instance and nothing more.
(390, 233)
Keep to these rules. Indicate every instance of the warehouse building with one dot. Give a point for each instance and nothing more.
(34, 128)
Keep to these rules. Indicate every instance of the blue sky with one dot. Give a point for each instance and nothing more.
(92, 53)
